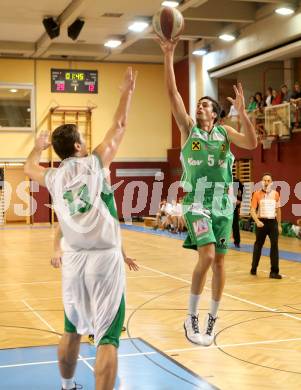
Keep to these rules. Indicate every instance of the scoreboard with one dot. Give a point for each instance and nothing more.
(74, 81)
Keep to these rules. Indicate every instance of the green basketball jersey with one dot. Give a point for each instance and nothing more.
(206, 158)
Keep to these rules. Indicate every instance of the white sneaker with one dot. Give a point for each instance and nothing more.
(208, 335)
(192, 331)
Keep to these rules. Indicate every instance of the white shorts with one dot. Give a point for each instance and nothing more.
(93, 285)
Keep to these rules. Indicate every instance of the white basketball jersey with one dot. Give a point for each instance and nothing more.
(85, 220)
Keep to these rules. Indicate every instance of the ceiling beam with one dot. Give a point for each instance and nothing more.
(203, 29)
(267, 1)
(225, 12)
(76, 49)
(16, 47)
(67, 17)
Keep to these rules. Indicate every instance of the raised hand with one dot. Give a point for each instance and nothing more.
(239, 101)
(129, 81)
(167, 46)
(42, 141)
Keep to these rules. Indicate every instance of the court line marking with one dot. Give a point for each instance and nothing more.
(225, 294)
(198, 348)
(21, 283)
(31, 299)
(145, 276)
(151, 277)
(58, 281)
(51, 328)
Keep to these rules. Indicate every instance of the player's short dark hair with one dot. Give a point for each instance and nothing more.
(267, 174)
(216, 107)
(63, 139)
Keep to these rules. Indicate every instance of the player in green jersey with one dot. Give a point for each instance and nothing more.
(207, 178)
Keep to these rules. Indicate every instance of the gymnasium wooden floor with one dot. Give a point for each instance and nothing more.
(258, 345)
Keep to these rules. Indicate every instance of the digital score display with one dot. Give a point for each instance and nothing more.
(74, 81)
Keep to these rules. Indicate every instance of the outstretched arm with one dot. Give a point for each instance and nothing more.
(183, 120)
(109, 146)
(248, 140)
(32, 168)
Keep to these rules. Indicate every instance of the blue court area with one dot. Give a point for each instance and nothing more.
(285, 255)
(141, 367)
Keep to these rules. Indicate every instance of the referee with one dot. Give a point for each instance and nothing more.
(266, 212)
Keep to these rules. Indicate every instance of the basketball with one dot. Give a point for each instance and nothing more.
(168, 23)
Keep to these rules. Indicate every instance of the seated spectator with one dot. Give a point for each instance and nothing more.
(232, 112)
(285, 94)
(167, 222)
(297, 228)
(296, 94)
(177, 216)
(259, 100)
(252, 104)
(161, 214)
(269, 97)
(296, 106)
(276, 98)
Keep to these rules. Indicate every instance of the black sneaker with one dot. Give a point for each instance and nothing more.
(123, 329)
(253, 272)
(76, 387)
(273, 275)
(237, 245)
(91, 339)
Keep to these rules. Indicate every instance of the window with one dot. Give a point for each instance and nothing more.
(17, 107)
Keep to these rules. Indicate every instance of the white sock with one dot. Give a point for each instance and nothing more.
(68, 384)
(214, 308)
(193, 308)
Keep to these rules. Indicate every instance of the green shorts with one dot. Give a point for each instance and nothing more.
(112, 335)
(209, 222)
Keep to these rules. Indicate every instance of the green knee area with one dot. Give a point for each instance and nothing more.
(69, 327)
(113, 333)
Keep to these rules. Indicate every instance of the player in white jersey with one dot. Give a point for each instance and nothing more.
(92, 266)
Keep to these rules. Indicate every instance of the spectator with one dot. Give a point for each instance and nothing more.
(161, 214)
(276, 98)
(252, 104)
(296, 94)
(167, 222)
(232, 112)
(269, 97)
(177, 215)
(285, 94)
(268, 223)
(297, 228)
(296, 105)
(259, 100)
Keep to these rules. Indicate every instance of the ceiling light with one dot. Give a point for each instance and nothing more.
(13, 90)
(284, 11)
(200, 52)
(138, 26)
(227, 37)
(172, 4)
(113, 43)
